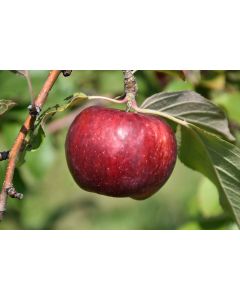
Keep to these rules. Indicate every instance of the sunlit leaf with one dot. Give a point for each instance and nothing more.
(193, 108)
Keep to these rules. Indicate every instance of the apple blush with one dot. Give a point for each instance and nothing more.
(120, 154)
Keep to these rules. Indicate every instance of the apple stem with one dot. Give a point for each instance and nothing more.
(130, 87)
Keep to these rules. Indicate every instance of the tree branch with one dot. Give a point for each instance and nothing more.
(8, 188)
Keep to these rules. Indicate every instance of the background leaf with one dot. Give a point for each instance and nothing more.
(207, 199)
(174, 73)
(20, 72)
(5, 105)
(231, 103)
(26, 74)
(193, 76)
(193, 108)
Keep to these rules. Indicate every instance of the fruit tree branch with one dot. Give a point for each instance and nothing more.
(8, 188)
(130, 88)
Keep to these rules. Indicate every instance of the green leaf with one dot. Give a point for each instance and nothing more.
(33, 142)
(199, 149)
(21, 158)
(69, 102)
(37, 135)
(193, 108)
(5, 105)
(217, 159)
(36, 139)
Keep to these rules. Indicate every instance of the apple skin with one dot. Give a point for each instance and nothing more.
(120, 154)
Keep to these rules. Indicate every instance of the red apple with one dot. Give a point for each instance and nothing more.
(121, 154)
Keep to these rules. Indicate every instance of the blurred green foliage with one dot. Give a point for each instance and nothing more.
(52, 200)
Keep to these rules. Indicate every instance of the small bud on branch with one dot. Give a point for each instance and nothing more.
(13, 193)
(4, 155)
(66, 73)
(34, 110)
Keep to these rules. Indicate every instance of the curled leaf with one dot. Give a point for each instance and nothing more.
(5, 105)
(69, 102)
(37, 135)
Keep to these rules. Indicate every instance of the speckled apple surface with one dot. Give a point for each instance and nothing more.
(117, 153)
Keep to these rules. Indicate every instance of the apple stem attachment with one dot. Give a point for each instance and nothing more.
(130, 88)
